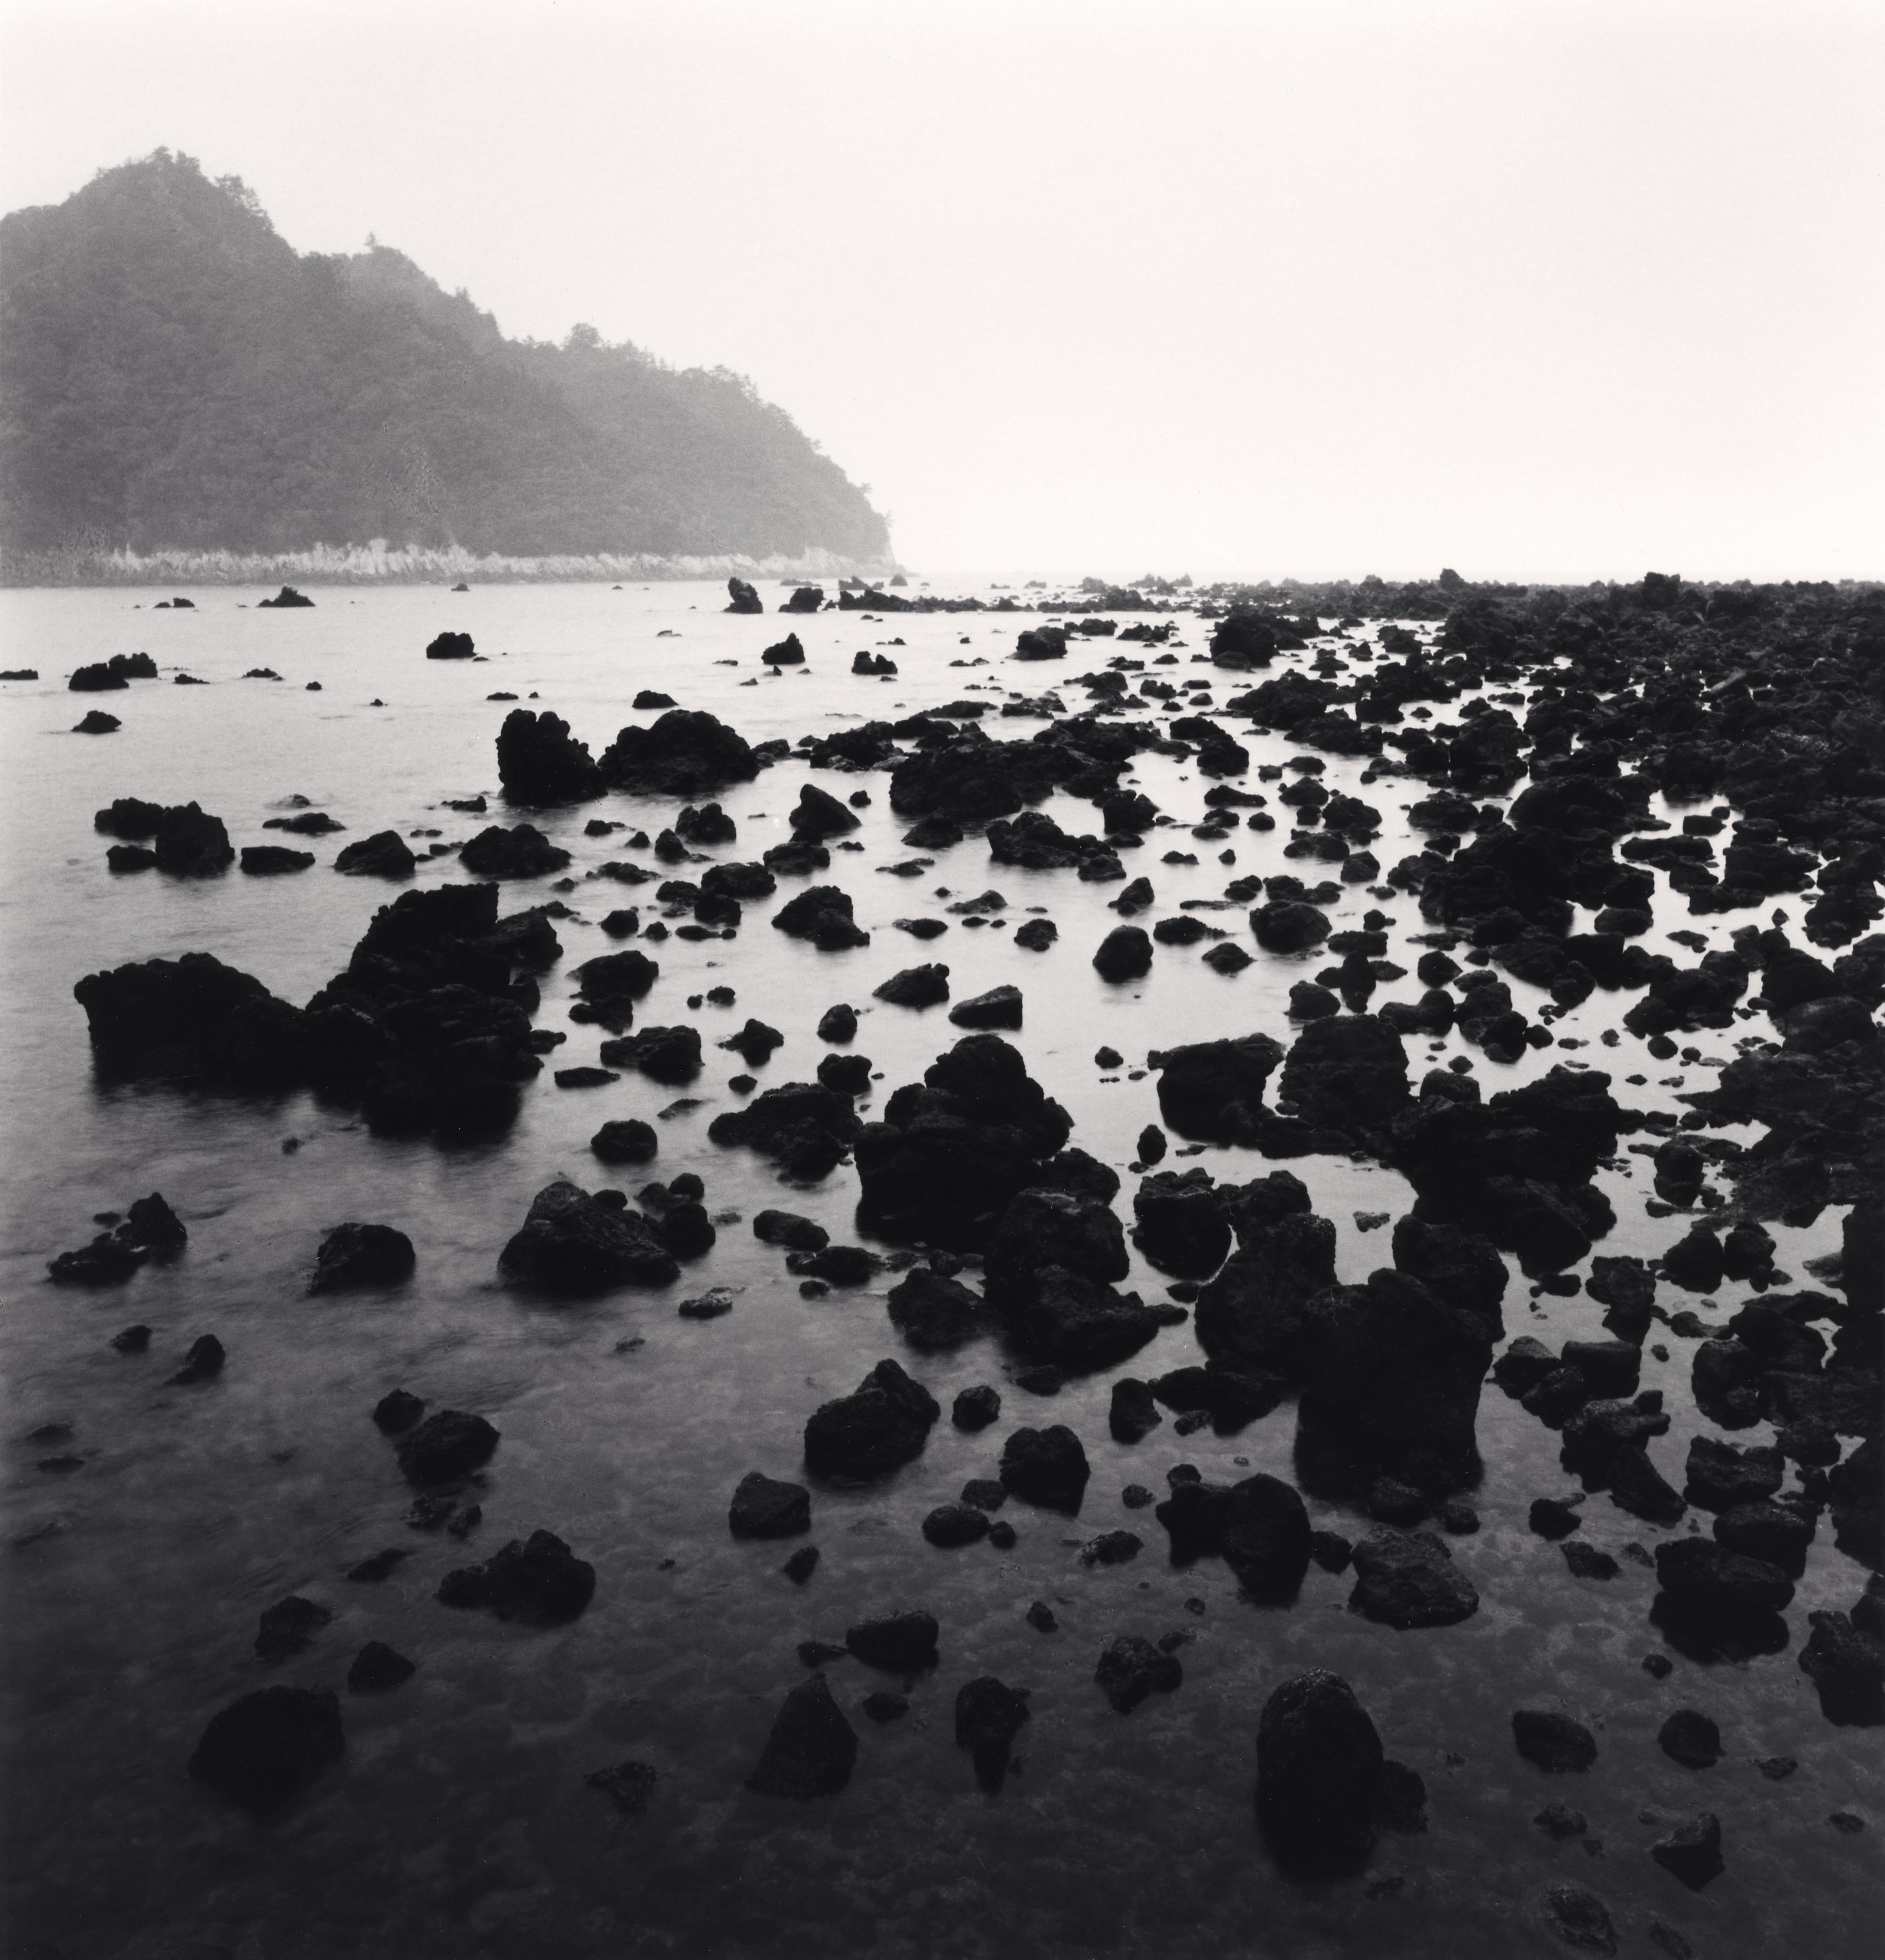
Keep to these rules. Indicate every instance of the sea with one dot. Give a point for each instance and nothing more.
(142, 1548)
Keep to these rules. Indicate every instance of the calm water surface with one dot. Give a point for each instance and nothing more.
(459, 1824)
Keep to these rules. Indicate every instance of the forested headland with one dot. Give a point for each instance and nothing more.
(178, 382)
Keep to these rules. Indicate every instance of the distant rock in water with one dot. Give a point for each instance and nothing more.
(521, 852)
(120, 671)
(742, 597)
(539, 760)
(97, 722)
(687, 752)
(385, 855)
(450, 646)
(287, 595)
(272, 860)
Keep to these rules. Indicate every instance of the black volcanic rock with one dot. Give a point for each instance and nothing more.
(1047, 1467)
(274, 860)
(1266, 1537)
(356, 1254)
(812, 1747)
(932, 1312)
(1846, 1661)
(670, 1055)
(1131, 1668)
(764, 1507)
(266, 1747)
(1207, 1090)
(1553, 1741)
(1408, 1579)
(447, 1447)
(1692, 1851)
(1319, 1773)
(571, 1242)
(540, 1581)
(1000, 1007)
(385, 855)
(822, 914)
(540, 761)
(523, 851)
(805, 1127)
(1392, 1374)
(1125, 953)
(685, 752)
(901, 1642)
(989, 1715)
(884, 1423)
(915, 987)
(1183, 1226)
(625, 1140)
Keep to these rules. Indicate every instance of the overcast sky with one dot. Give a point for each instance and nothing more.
(1534, 288)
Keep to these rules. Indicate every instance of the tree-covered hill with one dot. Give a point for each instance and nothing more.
(174, 376)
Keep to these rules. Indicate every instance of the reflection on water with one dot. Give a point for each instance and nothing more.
(460, 1821)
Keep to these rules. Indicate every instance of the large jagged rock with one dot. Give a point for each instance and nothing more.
(664, 1054)
(541, 763)
(685, 752)
(1077, 1322)
(934, 1313)
(571, 1242)
(1718, 1590)
(192, 1015)
(1409, 1578)
(1043, 1228)
(523, 851)
(1254, 1313)
(822, 914)
(1348, 1072)
(952, 1154)
(812, 1749)
(884, 1423)
(1319, 1773)
(1182, 1223)
(190, 843)
(804, 1127)
(1846, 1661)
(1391, 1376)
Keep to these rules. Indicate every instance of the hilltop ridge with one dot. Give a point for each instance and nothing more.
(178, 377)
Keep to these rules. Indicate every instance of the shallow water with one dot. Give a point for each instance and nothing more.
(459, 1824)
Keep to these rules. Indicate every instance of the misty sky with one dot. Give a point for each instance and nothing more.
(1534, 288)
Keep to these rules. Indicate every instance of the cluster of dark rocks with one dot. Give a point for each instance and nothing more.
(1006, 1231)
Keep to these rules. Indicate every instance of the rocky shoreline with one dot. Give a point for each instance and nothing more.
(1532, 739)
